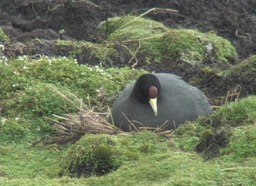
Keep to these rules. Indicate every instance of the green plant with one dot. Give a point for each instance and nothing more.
(3, 36)
(242, 143)
(166, 44)
(12, 127)
(93, 155)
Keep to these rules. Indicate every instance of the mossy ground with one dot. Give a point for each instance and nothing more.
(30, 93)
(98, 52)
(162, 164)
(165, 44)
(217, 150)
(32, 90)
(3, 37)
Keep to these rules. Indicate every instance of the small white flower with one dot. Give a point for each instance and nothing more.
(1, 47)
(208, 47)
(3, 120)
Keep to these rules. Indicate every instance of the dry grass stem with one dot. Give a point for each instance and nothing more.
(71, 127)
(232, 96)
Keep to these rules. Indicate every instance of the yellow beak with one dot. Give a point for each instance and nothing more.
(153, 104)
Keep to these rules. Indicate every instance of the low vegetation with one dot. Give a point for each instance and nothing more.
(3, 37)
(163, 44)
(35, 93)
(32, 90)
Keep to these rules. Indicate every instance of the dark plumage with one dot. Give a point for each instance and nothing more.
(176, 102)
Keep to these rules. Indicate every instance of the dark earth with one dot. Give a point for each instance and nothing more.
(24, 20)
(29, 22)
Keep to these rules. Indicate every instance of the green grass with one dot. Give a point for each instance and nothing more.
(33, 90)
(243, 143)
(165, 165)
(25, 161)
(99, 51)
(3, 37)
(30, 92)
(163, 44)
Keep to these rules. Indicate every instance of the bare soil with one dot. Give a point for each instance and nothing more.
(24, 20)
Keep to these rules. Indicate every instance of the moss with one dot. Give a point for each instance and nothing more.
(25, 165)
(206, 133)
(35, 89)
(39, 100)
(166, 44)
(211, 135)
(211, 144)
(188, 136)
(242, 143)
(10, 80)
(93, 155)
(20, 160)
(131, 27)
(234, 114)
(12, 127)
(78, 48)
(222, 48)
(243, 74)
(246, 68)
(178, 44)
(82, 80)
(100, 154)
(20, 129)
(3, 37)
(130, 155)
(146, 148)
(103, 152)
(191, 46)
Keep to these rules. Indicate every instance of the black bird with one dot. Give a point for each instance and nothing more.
(158, 100)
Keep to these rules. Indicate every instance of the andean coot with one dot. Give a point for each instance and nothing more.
(158, 100)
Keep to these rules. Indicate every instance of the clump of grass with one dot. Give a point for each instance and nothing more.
(12, 127)
(93, 155)
(192, 46)
(243, 74)
(131, 28)
(242, 143)
(30, 106)
(166, 44)
(38, 100)
(246, 69)
(233, 114)
(3, 37)
(83, 81)
(209, 135)
(99, 51)
(102, 153)
(31, 89)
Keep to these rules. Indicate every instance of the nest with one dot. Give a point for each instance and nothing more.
(72, 127)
